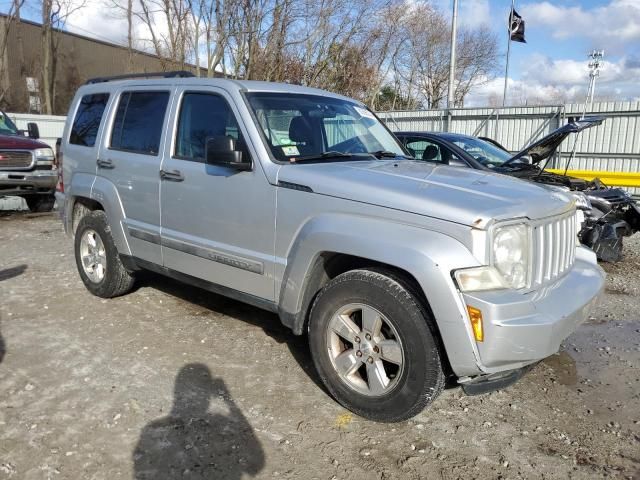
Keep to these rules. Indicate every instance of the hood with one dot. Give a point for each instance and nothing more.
(461, 195)
(20, 143)
(546, 146)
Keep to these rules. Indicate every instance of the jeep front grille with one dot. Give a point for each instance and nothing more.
(10, 159)
(554, 248)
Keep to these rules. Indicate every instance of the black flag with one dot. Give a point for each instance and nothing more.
(516, 27)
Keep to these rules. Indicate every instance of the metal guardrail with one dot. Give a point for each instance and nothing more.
(611, 179)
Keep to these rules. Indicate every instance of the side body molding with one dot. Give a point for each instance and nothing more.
(429, 256)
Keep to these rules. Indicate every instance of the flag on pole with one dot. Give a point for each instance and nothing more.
(516, 27)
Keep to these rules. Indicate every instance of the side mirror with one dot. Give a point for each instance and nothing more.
(222, 151)
(456, 162)
(33, 131)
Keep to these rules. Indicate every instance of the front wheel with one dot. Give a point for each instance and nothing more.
(373, 347)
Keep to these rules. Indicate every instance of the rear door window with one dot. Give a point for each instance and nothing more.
(88, 117)
(138, 123)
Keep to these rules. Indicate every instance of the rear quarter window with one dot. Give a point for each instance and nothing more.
(87, 120)
(137, 126)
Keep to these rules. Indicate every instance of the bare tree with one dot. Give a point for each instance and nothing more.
(477, 60)
(6, 25)
(168, 24)
(54, 15)
(389, 53)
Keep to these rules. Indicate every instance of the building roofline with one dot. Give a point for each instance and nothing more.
(103, 42)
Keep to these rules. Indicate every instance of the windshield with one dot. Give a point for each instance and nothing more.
(298, 126)
(486, 153)
(7, 127)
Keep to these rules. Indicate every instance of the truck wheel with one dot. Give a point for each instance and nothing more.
(97, 258)
(40, 203)
(372, 345)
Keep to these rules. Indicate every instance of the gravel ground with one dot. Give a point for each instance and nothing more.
(173, 382)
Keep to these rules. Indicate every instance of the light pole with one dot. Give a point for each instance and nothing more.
(452, 65)
(594, 72)
(452, 60)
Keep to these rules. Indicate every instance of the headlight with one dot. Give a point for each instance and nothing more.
(43, 154)
(510, 254)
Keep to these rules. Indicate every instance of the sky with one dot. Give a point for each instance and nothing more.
(553, 63)
(550, 67)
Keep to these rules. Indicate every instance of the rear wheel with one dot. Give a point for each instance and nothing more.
(40, 203)
(97, 259)
(373, 348)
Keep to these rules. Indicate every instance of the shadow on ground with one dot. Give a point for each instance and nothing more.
(2, 348)
(12, 272)
(191, 442)
(269, 322)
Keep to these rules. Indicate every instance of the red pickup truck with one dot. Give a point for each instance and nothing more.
(27, 166)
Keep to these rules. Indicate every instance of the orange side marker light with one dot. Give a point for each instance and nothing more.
(475, 316)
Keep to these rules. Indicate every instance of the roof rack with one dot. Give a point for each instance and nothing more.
(174, 74)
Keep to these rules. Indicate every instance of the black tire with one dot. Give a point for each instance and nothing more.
(421, 379)
(117, 280)
(40, 203)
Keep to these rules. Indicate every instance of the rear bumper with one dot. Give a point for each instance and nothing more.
(62, 210)
(26, 183)
(522, 329)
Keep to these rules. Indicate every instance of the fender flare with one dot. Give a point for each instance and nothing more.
(429, 256)
(106, 194)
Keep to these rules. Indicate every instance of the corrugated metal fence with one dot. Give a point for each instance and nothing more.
(613, 146)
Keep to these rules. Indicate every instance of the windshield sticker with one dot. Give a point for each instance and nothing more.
(363, 112)
(290, 150)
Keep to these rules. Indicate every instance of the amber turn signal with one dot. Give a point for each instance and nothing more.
(475, 316)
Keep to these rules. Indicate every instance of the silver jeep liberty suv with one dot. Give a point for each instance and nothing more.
(301, 202)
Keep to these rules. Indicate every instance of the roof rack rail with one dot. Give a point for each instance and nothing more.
(174, 74)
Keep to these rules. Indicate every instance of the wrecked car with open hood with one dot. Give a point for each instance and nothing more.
(609, 213)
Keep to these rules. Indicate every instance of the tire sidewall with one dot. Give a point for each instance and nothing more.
(422, 375)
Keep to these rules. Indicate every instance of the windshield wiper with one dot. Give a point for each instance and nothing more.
(386, 154)
(330, 155)
(515, 166)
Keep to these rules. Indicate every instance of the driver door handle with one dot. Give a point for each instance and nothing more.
(108, 164)
(171, 175)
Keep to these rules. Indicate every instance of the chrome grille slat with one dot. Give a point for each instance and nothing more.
(538, 261)
(15, 159)
(562, 250)
(554, 246)
(548, 242)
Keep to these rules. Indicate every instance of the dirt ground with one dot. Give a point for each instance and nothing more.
(174, 382)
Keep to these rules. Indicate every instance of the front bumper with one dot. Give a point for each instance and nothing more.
(522, 329)
(25, 183)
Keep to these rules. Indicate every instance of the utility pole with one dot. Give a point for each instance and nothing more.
(452, 64)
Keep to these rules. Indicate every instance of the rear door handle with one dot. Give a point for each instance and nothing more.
(108, 164)
(172, 175)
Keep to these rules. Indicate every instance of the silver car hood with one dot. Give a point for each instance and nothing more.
(461, 195)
